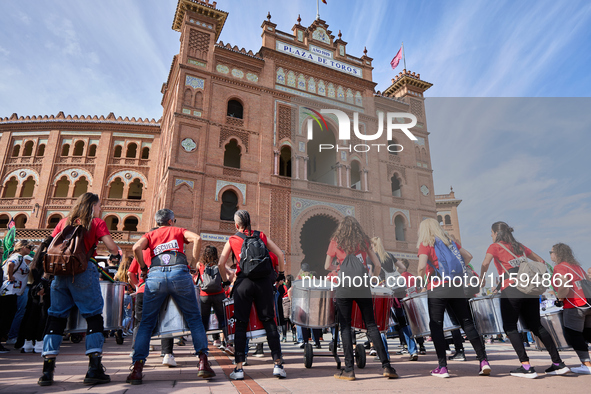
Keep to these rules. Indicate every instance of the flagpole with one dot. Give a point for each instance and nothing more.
(403, 55)
(317, 9)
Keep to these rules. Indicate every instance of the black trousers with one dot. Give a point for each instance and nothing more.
(259, 291)
(578, 341)
(344, 308)
(35, 318)
(217, 301)
(515, 304)
(8, 307)
(454, 299)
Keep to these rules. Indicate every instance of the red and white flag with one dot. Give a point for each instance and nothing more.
(396, 60)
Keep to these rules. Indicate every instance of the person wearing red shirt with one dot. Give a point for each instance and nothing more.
(212, 297)
(446, 296)
(83, 291)
(168, 275)
(247, 290)
(576, 314)
(508, 254)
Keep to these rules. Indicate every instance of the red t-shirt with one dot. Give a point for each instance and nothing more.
(165, 239)
(201, 292)
(98, 229)
(432, 256)
(134, 268)
(236, 245)
(504, 259)
(575, 296)
(334, 251)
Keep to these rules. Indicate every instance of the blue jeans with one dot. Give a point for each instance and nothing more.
(385, 341)
(84, 292)
(163, 281)
(21, 305)
(412, 345)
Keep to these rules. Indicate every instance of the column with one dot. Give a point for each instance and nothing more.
(366, 186)
(297, 167)
(276, 163)
(339, 173)
(306, 158)
(348, 176)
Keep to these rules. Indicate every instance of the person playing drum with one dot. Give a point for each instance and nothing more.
(349, 242)
(252, 289)
(515, 304)
(576, 314)
(433, 243)
(169, 275)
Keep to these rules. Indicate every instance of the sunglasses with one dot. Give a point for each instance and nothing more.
(551, 252)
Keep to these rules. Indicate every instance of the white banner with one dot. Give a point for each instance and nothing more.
(214, 237)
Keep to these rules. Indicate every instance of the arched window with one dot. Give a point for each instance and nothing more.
(92, 150)
(116, 189)
(20, 221)
(28, 187)
(393, 149)
(399, 228)
(28, 151)
(10, 188)
(232, 154)
(65, 149)
(145, 153)
(285, 161)
(187, 98)
(16, 150)
(355, 174)
(135, 190)
(80, 187)
(41, 150)
(439, 219)
(396, 185)
(4, 219)
(112, 222)
(117, 152)
(229, 205)
(198, 100)
(62, 187)
(235, 109)
(130, 224)
(131, 150)
(53, 220)
(78, 148)
(447, 219)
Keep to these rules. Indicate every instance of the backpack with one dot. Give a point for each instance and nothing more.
(67, 254)
(451, 263)
(352, 267)
(534, 271)
(211, 280)
(255, 261)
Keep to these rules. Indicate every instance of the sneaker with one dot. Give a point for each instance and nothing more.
(11, 341)
(459, 356)
(390, 372)
(222, 348)
(402, 351)
(229, 350)
(302, 344)
(422, 350)
(377, 358)
(318, 346)
(3, 349)
(237, 374)
(181, 341)
(449, 352)
(259, 351)
(217, 343)
(169, 360)
(367, 345)
(38, 347)
(28, 347)
(583, 370)
(440, 372)
(524, 373)
(245, 363)
(278, 371)
(559, 369)
(342, 374)
(484, 368)
(414, 357)
(373, 352)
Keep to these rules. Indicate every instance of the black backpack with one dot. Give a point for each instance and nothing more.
(211, 280)
(255, 262)
(352, 267)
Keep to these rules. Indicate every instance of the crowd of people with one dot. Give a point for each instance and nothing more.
(249, 273)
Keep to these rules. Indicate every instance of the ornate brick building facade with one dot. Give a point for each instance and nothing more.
(234, 135)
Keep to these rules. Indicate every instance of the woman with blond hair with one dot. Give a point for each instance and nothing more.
(440, 257)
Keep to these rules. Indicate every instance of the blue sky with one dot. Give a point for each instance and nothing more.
(97, 57)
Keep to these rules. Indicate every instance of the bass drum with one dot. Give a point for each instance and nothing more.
(171, 322)
(382, 300)
(553, 323)
(255, 327)
(113, 294)
(417, 314)
(312, 307)
(486, 312)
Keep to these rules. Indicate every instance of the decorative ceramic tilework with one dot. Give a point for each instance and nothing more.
(302, 146)
(269, 28)
(340, 93)
(425, 190)
(331, 91)
(127, 176)
(321, 88)
(300, 35)
(22, 175)
(237, 73)
(302, 82)
(343, 156)
(420, 141)
(350, 96)
(222, 69)
(291, 79)
(187, 111)
(73, 175)
(252, 77)
(188, 144)
(358, 99)
(198, 23)
(177, 182)
(318, 98)
(405, 212)
(280, 76)
(320, 35)
(311, 85)
(341, 50)
(219, 185)
(197, 113)
(299, 205)
(194, 82)
(196, 63)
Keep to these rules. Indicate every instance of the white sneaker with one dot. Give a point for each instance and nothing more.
(39, 347)
(28, 347)
(279, 372)
(237, 374)
(169, 360)
(11, 341)
(583, 370)
(217, 343)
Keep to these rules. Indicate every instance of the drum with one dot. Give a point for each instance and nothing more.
(113, 294)
(171, 322)
(417, 314)
(312, 307)
(213, 321)
(255, 327)
(382, 299)
(486, 312)
(552, 322)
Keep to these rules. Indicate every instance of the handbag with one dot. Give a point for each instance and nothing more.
(533, 270)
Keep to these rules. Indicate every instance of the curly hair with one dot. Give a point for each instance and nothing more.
(350, 237)
(564, 253)
(210, 255)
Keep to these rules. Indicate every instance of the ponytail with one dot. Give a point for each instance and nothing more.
(505, 234)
